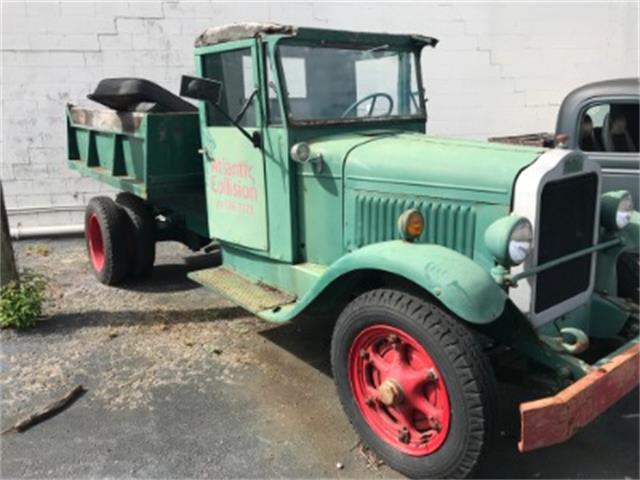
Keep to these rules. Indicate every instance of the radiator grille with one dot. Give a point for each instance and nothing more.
(566, 225)
(447, 224)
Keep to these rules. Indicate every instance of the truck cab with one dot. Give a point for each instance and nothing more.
(439, 261)
(302, 90)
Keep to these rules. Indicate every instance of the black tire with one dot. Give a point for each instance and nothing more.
(464, 368)
(628, 273)
(142, 233)
(106, 223)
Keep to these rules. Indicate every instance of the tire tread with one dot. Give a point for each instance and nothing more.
(142, 227)
(465, 353)
(113, 226)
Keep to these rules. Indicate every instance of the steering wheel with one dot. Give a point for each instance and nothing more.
(373, 97)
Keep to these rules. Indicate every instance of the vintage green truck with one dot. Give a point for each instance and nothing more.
(444, 263)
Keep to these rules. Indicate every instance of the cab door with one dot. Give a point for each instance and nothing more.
(233, 166)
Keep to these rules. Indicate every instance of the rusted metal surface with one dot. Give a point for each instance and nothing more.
(542, 139)
(240, 31)
(252, 296)
(358, 120)
(106, 119)
(390, 393)
(552, 420)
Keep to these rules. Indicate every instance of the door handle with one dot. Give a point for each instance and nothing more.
(205, 152)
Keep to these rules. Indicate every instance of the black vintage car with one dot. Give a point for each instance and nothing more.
(602, 120)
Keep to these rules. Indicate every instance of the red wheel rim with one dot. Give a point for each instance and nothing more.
(399, 390)
(96, 246)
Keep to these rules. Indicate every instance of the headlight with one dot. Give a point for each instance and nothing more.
(625, 209)
(521, 241)
(616, 209)
(510, 240)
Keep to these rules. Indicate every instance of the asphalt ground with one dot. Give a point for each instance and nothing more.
(183, 384)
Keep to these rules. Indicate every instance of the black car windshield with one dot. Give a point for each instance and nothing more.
(349, 83)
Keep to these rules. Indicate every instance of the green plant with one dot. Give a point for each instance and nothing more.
(39, 249)
(21, 302)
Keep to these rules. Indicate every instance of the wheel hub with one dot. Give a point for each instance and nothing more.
(399, 390)
(390, 392)
(95, 243)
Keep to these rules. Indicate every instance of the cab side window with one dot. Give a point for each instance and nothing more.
(610, 127)
(234, 69)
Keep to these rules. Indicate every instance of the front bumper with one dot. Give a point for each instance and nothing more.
(554, 419)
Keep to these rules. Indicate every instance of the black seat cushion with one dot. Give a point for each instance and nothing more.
(138, 95)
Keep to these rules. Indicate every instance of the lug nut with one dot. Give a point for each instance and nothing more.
(432, 376)
(364, 354)
(435, 424)
(403, 435)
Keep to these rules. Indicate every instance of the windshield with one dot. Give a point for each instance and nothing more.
(347, 83)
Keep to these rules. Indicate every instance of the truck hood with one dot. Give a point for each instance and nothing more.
(446, 168)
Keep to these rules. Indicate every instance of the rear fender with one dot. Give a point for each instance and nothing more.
(459, 283)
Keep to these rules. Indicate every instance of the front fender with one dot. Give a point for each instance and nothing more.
(459, 283)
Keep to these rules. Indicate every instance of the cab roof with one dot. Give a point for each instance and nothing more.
(241, 31)
(605, 90)
(617, 86)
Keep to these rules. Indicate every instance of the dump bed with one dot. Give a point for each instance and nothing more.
(152, 155)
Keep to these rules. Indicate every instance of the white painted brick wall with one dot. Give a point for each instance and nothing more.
(499, 69)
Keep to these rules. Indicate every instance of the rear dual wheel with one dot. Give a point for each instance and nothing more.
(141, 233)
(106, 235)
(414, 383)
(119, 237)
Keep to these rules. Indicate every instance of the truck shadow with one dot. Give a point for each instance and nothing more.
(306, 338)
(67, 323)
(172, 277)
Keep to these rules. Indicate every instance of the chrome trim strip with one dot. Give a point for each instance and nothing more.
(551, 165)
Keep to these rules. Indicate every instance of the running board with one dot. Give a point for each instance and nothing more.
(255, 297)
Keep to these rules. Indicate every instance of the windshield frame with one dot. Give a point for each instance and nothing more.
(414, 50)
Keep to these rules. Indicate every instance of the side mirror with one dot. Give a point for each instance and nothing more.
(209, 90)
(200, 89)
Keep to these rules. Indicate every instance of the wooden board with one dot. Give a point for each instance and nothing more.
(555, 419)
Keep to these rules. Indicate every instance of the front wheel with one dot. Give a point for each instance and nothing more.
(414, 383)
